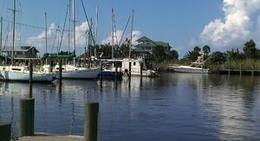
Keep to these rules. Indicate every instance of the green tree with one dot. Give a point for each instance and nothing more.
(249, 49)
(233, 54)
(217, 58)
(172, 55)
(159, 54)
(206, 50)
(196, 49)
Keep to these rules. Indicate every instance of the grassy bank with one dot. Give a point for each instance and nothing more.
(246, 64)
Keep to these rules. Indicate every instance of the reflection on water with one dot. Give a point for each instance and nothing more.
(172, 107)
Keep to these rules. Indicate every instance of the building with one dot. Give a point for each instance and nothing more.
(21, 52)
(146, 46)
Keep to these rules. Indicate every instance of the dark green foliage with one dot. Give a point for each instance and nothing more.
(249, 49)
(192, 56)
(217, 58)
(159, 55)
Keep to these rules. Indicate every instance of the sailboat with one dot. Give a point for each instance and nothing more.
(72, 71)
(24, 72)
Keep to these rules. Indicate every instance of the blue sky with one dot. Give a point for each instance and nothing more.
(221, 24)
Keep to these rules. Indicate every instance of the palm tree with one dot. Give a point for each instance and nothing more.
(206, 50)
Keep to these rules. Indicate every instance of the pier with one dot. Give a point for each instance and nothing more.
(239, 72)
(51, 137)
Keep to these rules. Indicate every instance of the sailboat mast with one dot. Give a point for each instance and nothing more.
(74, 31)
(96, 24)
(112, 35)
(74, 26)
(69, 40)
(46, 38)
(1, 35)
(13, 43)
(131, 36)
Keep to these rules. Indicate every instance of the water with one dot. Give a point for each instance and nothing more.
(172, 107)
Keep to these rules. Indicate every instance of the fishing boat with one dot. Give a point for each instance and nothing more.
(134, 67)
(195, 67)
(129, 66)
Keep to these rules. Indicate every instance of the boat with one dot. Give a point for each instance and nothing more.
(22, 73)
(110, 70)
(74, 72)
(190, 69)
(138, 67)
(129, 66)
(195, 67)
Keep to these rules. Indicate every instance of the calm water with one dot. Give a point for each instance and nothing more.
(172, 107)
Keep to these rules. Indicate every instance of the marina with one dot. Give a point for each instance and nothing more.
(174, 106)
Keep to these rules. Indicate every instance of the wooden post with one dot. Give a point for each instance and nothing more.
(101, 71)
(101, 76)
(30, 71)
(91, 121)
(5, 131)
(141, 70)
(30, 90)
(141, 75)
(129, 71)
(60, 70)
(116, 74)
(27, 117)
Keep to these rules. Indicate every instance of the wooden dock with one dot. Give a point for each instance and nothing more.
(50, 137)
(239, 72)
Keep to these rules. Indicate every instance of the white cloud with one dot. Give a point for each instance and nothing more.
(236, 26)
(39, 40)
(118, 35)
(54, 39)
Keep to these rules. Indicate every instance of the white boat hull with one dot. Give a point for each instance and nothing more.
(22, 73)
(145, 73)
(189, 69)
(25, 76)
(73, 72)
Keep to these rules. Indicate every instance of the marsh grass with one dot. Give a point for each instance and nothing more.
(247, 64)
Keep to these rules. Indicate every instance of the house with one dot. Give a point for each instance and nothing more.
(146, 46)
(21, 52)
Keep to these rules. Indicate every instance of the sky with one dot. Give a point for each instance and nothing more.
(184, 24)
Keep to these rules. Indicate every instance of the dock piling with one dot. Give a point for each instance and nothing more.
(5, 131)
(60, 70)
(91, 121)
(27, 117)
(30, 71)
